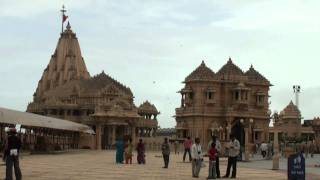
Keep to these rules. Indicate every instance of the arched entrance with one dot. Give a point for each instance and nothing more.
(238, 131)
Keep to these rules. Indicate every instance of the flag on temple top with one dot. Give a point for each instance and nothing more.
(64, 18)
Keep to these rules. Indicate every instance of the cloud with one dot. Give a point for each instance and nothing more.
(285, 15)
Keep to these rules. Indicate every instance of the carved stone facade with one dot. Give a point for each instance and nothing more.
(67, 91)
(229, 101)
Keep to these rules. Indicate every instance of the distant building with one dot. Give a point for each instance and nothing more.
(67, 91)
(166, 132)
(229, 101)
(288, 123)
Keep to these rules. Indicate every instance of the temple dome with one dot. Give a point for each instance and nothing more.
(290, 111)
(201, 73)
(254, 75)
(147, 108)
(230, 69)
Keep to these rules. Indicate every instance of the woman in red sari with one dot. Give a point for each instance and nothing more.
(141, 152)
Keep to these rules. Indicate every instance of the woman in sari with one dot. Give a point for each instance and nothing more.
(128, 152)
(141, 152)
(120, 151)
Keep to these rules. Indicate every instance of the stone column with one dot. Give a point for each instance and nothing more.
(228, 130)
(98, 136)
(246, 142)
(133, 134)
(113, 134)
(275, 159)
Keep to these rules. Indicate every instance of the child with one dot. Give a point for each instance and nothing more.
(212, 153)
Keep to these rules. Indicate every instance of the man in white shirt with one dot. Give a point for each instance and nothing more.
(197, 158)
(218, 147)
(234, 150)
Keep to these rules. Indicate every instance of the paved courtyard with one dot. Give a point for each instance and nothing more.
(100, 165)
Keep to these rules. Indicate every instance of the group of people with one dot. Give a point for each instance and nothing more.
(124, 151)
(11, 151)
(214, 151)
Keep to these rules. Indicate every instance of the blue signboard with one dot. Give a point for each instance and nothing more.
(296, 167)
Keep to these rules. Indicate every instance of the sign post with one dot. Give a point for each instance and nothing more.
(296, 167)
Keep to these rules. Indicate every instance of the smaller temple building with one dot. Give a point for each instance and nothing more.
(288, 124)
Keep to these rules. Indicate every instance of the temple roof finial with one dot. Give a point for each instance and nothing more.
(202, 63)
(68, 26)
(230, 60)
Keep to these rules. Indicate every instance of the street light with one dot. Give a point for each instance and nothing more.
(251, 120)
(241, 120)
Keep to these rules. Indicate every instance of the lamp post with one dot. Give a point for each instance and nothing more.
(220, 132)
(276, 158)
(246, 143)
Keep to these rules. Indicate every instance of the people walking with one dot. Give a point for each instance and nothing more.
(141, 152)
(213, 154)
(11, 155)
(165, 152)
(234, 150)
(129, 152)
(187, 148)
(197, 158)
(215, 140)
(119, 151)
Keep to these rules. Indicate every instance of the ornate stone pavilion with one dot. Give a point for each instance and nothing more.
(288, 124)
(229, 101)
(67, 91)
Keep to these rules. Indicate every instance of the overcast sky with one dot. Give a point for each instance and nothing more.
(151, 46)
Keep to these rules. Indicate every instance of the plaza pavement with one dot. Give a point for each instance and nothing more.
(89, 165)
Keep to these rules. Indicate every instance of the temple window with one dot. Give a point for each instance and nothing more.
(191, 94)
(237, 95)
(241, 93)
(210, 95)
(260, 99)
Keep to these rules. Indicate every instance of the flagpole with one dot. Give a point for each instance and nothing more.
(62, 11)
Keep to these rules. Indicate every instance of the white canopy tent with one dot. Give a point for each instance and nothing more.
(8, 116)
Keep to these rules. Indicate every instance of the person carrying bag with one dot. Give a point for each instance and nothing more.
(11, 155)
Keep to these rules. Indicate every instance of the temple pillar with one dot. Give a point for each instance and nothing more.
(246, 142)
(133, 134)
(275, 159)
(113, 140)
(98, 136)
(228, 129)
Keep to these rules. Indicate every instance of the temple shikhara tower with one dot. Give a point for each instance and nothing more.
(67, 91)
(229, 101)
